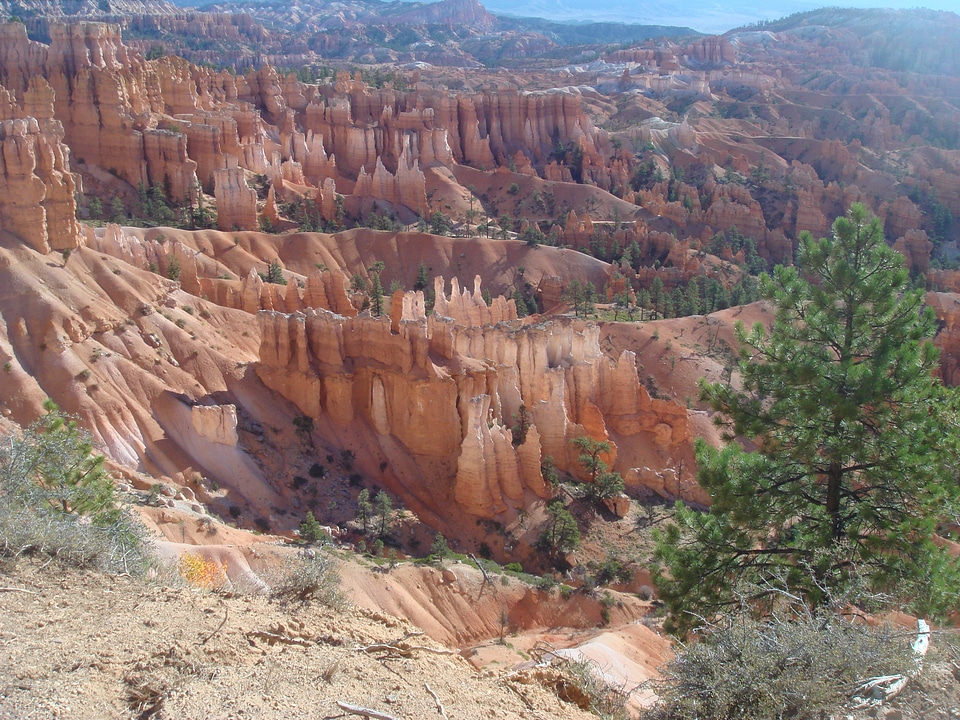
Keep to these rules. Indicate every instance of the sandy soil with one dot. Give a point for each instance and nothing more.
(77, 644)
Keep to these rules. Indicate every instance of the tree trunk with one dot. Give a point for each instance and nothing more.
(834, 480)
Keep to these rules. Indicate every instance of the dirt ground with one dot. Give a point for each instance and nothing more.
(79, 644)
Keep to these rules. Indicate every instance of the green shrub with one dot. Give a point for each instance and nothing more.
(439, 549)
(56, 499)
(173, 268)
(312, 531)
(793, 664)
(311, 576)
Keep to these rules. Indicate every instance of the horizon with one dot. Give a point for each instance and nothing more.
(705, 16)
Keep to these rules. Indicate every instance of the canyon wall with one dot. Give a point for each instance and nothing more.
(441, 396)
(36, 186)
(168, 123)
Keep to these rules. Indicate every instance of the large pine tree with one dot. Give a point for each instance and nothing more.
(853, 442)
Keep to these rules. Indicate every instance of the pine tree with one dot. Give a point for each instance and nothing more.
(856, 443)
(560, 534)
(439, 549)
(376, 288)
(573, 295)
(376, 295)
(603, 483)
(632, 255)
(60, 458)
(656, 295)
(364, 509)
(423, 278)
(385, 511)
(117, 211)
(275, 273)
(173, 268)
(589, 299)
(311, 530)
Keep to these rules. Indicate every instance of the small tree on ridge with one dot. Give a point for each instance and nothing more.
(856, 441)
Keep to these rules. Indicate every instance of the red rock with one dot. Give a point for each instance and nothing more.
(236, 202)
(443, 391)
(36, 187)
(713, 50)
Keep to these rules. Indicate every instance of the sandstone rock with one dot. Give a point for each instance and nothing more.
(439, 393)
(712, 51)
(36, 187)
(619, 505)
(216, 423)
(236, 202)
(916, 249)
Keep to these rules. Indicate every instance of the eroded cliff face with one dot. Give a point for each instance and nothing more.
(36, 186)
(461, 407)
(169, 123)
(104, 95)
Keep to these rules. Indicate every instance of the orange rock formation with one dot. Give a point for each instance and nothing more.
(438, 396)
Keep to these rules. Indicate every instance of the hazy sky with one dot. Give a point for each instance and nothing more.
(711, 16)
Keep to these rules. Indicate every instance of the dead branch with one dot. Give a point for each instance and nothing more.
(273, 638)
(486, 578)
(226, 613)
(16, 589)
(366, 712)
(520, 695)
(402, 649)
(436, 699)
(877, 690)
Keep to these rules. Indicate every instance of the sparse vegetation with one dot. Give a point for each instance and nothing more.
(58, 500)
(303, 426)
(583, 685)
(311, 531)
(311, 577)
(793, 663)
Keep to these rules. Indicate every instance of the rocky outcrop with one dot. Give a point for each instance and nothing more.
(215, 423)
(916, 248)
(236, 201)
(168, 123)
(470, 309)
(946, 307)
(439, 395)
(455, 13)
(407, 188)
(712, 51)
(36, 186)
(103, 94)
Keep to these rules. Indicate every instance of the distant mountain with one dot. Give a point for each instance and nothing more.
(83, 8)
(467, 17)
(924, 41)
(709, 16)
(593, 33)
